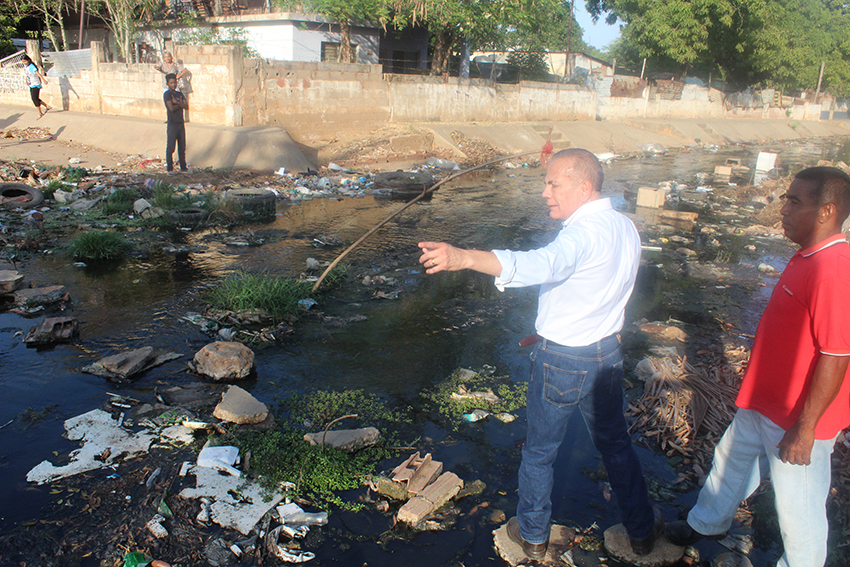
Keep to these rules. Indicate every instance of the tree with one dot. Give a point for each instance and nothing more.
(121, 17)
(345, 13)
(53, 13)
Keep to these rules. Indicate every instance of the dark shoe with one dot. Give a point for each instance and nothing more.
(681, 533)
(531, 550)
(644, 546)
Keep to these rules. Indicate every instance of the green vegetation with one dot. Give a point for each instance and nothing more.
(73, 174)
(279, 296)
(243, 292)
(99, 246)
(219, 36)
(319, 473)
(49, 189)
(121, 201)
(511, 396)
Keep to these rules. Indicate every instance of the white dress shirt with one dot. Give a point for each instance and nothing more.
(586, 275)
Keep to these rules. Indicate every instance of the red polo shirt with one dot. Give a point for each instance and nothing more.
(808, 314)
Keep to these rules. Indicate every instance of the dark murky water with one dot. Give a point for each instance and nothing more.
(438, 324)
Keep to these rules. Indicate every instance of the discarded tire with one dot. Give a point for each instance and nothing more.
(20, 195)
(404, 180)
(190, 216)
(250, 198)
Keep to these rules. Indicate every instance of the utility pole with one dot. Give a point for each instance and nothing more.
(567, 73)
(643, 68)
(82, 22)
(820, 78)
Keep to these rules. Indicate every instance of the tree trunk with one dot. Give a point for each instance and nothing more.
(442, 52)
(344, 53)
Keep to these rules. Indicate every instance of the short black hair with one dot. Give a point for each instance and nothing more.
(170, 76)
(830, 185)
(586, 165)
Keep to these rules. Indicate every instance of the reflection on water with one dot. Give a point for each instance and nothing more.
(437, 324)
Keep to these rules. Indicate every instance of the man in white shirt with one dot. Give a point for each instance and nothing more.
(586, 276)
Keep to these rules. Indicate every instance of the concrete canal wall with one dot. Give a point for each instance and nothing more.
(314, 101)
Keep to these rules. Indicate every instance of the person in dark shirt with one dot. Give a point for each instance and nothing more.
(175, 104)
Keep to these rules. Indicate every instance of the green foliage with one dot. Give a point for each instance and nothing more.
(120, 201)
(219, 36)
(243, 291)
(73, 174)
(527, 67)
(511, 396)
(99, 246)
(49, 189)
(284, 456)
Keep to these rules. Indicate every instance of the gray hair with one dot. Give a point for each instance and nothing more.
(585, 165)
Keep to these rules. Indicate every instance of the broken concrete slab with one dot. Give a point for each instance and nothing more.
(560, 541)
(345, 439)
(238, 406)
(224, 360)
(237, 504)
(127, 364)
(104, 443)
(52, 330)
(40, 296)
(617, 545)
(10, 280)
(191, 395)
(432, 498)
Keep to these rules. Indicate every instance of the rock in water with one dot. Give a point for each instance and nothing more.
(224, 360)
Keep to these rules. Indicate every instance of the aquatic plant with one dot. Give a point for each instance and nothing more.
(510, 396)
(101, 245)
(319, 473)
(278, 296)
(243, 291)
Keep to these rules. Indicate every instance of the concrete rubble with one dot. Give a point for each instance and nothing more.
(345, 439)
(41, 296)
(10, 280)
(103, 443)
(224, 360)
(617, 545)
(561, 540)
(238, 406)
(52, 330)
(127, 364)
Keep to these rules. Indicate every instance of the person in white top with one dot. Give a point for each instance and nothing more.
(586, 276)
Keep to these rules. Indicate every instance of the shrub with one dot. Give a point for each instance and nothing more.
(99, 246)
(120, 201)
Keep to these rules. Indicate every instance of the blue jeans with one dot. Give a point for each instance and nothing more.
(588, 378)
(744, 456)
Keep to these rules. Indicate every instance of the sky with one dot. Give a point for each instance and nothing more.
(598, 35)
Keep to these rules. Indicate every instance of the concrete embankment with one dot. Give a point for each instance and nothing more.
(267, 149)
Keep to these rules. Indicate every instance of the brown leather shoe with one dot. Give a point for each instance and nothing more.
(532, 550)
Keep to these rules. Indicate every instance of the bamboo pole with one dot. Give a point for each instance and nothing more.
(424, 193)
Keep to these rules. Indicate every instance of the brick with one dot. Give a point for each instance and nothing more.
(431, 499)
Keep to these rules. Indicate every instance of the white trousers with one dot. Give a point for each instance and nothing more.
(745, 455)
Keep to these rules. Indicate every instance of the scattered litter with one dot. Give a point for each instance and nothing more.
(476, 415)
(155, 527)
(220, 458)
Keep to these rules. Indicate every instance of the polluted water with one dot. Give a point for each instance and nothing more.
(416, 334)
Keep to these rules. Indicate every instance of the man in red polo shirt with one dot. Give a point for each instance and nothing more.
(795, 396)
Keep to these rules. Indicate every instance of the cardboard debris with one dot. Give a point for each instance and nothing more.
(104, 443)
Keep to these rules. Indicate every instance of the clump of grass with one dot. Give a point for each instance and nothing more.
(121, 201)
(99, 246)
(511, 396)
(74, 174)
(49, 189)
(284, 455)
(243, 291)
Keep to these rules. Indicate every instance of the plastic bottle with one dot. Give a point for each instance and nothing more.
(307, 518)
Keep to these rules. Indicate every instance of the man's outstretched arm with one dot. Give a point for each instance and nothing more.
(439, 256)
